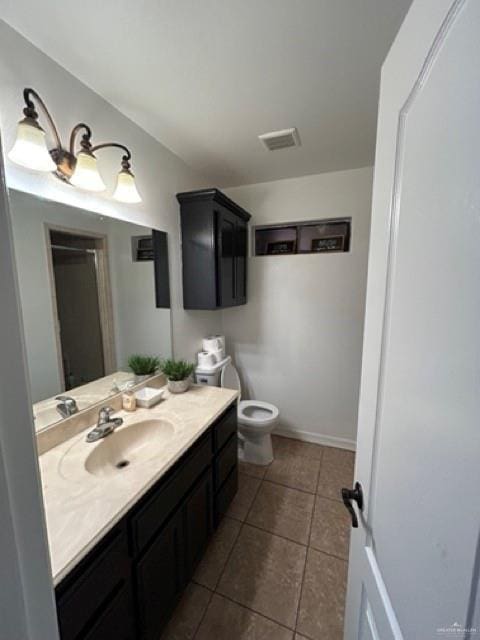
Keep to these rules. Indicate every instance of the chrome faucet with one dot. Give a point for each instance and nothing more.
(67, 406)
(105, 425)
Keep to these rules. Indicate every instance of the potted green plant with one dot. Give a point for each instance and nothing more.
(178, 374)
(143, 366)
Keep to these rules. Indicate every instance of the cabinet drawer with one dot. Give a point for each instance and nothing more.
(92, 584)
(225, 427)
(225, 461)
(117, 621)
(226, 494)
(151, 516)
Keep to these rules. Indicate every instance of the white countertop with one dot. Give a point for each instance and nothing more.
(80, 507)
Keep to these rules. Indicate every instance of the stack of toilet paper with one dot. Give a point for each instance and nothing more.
(213, 351)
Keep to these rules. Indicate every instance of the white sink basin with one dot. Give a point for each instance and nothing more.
(131, 445)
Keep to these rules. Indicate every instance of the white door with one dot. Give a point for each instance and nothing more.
(415, 557)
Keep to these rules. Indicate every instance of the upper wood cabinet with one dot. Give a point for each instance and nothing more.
(214, 250)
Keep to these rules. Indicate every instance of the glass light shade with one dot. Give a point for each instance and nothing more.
(86, 175)
(126, 190)
(30, 148)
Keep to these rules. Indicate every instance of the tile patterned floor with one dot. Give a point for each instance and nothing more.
(276, 568)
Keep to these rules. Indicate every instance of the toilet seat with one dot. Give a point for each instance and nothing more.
(256, 413)
(256, 421)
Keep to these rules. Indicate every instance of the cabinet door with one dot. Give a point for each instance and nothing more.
(226, 258)
(198, 520)
(241, 243)
(117, 621)
(160, 577)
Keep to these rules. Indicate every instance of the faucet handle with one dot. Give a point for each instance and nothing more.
(105, 413)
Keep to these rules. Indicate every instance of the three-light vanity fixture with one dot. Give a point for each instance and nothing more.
(78, 169)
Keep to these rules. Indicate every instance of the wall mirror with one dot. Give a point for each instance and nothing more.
(94, 290)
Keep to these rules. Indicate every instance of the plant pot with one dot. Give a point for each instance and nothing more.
(178, 386)
(139, 379)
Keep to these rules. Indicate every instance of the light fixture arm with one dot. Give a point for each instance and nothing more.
(30, 112)
(85, 143)
(125, 159)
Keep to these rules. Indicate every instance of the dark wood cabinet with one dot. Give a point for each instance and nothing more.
(128, 585)
(214, 250)
(160, 578)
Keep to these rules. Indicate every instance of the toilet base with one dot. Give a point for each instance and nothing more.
(255, 449)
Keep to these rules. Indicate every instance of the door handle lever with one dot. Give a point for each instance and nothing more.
(353, 494)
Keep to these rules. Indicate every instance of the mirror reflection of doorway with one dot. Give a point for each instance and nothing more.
(81, 298)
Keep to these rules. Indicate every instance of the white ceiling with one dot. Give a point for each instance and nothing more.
(206, 77)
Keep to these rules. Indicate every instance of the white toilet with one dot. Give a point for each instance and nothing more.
(256, 421)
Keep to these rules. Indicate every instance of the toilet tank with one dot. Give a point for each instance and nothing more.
(211, 375)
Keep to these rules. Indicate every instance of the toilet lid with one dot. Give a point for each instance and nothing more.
(230, 380)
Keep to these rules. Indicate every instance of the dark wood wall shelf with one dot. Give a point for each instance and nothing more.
(314, 236)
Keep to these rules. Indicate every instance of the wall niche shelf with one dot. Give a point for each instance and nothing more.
(330, 235)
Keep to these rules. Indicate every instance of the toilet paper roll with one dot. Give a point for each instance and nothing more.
(206, 359)
(221, 340)
(214, 343)
(219, 354)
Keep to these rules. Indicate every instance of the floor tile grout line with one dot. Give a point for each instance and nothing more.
(311, 493)
(273, 533)
(289, 486)
(319, 474)
(306, 558)
(278, 535)
(254, 498)
(202, 617)
(262, 615)
(228, 557)
(242, 524)
(336, 500)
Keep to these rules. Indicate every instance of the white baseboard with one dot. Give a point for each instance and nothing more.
(318, 438)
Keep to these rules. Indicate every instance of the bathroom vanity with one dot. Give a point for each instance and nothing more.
(125, 539)
(128, 516)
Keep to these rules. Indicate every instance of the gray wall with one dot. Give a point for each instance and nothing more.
(298, 341)
(160, 174)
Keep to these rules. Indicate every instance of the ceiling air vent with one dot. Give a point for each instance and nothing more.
(280, 139)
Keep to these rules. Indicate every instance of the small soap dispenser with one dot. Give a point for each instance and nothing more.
(129, 401)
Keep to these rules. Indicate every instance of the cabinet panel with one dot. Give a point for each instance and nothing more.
(241, 248)
(225, 495)
(226, 247)
(92, 584)
(225, 461)
(160, 578)
(198, 520)
(117, 621)
(225, 427)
